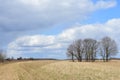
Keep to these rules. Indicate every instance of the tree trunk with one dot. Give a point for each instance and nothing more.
(107, 58)
(72, 57)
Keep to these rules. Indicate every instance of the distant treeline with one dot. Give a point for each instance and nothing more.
(4, 59)
(88, 49)
(21, 58)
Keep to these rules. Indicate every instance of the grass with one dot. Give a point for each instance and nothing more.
(60, 70)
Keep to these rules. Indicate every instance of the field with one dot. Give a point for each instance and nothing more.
(60, 70)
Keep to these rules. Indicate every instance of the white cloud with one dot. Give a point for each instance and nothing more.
(21, 17)
(103, 4)
(57, 44)
(31, 14)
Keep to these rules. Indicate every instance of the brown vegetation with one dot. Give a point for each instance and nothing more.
(60, 70)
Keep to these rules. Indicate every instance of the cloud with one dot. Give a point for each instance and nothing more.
(20, 15)
(26, 17)
(56, 45)
(103, 4)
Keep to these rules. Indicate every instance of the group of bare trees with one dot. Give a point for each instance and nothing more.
(88, 49)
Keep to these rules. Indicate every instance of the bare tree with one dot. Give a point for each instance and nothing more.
(94, 48)
(86, 48)
(79, 49)
(108, 48)
(75, 50)
(90, 46)
(101, 51)
(70, 52)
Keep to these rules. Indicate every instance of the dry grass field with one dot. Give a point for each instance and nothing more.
(60, 70)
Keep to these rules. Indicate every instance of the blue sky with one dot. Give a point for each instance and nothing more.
(45, 28)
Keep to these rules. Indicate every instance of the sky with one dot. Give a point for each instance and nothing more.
(45, 28)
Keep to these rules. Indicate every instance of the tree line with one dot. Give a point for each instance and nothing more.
(90, 49)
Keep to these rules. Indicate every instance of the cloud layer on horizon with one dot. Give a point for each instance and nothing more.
(55, 45)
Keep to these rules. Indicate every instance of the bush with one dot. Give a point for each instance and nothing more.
(2, 56)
